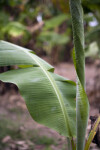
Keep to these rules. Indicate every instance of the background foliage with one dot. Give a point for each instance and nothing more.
(47, 28)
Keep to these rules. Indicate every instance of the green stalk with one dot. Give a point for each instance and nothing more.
(82, 106)
(69, 144)
(73, 145)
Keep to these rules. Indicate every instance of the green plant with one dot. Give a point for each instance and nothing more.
(49, 97)
(16, 30)
(92, 9)
(49, 37)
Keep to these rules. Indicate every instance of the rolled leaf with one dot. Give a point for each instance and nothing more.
(82, 106)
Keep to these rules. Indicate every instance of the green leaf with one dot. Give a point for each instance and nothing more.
(82, 105)
(53, 38)
(50, 98)
(92, 50)
(61, 5)
(15, 29)
(11, 54)
(93, 35)
(55, 22)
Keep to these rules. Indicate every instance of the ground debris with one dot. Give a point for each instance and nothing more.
(6, 139)
(17, 145)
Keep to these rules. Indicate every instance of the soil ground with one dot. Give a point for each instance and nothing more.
(18, 131)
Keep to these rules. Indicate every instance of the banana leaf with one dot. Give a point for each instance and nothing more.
(49, 97)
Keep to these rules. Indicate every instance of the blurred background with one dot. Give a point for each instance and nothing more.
(44, 26)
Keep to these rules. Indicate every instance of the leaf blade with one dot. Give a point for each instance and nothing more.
(40, 87)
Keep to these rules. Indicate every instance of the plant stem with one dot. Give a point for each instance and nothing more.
(69, 144)
(73, 144)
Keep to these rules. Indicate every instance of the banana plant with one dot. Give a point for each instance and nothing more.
(53, 100)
